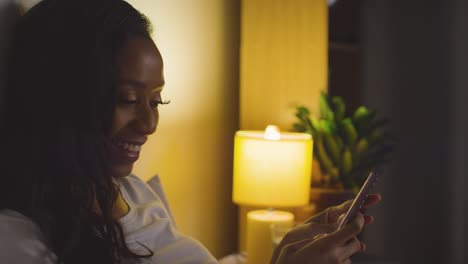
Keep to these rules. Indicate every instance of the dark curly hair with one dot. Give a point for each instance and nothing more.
(59, 102)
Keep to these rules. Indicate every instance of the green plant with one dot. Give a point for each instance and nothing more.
(346, 147)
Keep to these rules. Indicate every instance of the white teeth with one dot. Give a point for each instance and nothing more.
(128, 146)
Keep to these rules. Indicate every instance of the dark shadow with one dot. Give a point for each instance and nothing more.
(9, 14)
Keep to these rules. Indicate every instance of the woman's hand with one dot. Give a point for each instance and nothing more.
(336, 247)
(331, 214)
(318, 241)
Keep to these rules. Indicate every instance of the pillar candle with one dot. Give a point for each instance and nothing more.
(259, 241)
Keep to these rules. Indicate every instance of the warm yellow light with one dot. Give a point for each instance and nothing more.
(273, 173)
(284, 55)
(259, 232)
(272, 133)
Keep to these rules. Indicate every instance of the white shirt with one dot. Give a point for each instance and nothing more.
(148, 222)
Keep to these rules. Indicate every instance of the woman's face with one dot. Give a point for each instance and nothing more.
(138, 95)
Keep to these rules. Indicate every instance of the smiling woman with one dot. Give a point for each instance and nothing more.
(138, 96)
(84, 85)
(83, 89)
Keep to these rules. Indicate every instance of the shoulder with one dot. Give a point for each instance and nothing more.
(21, 240)
(136, 189)
(131, 179)
(138, 192)
(145, 195)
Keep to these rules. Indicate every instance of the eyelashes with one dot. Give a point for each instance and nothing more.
(153, 103)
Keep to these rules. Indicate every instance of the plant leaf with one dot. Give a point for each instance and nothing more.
(326, 112)
(360, 150)
(339, 107)
(332, 147)
(349, 130)
(362, 119)
(347, 161)
(325, 161)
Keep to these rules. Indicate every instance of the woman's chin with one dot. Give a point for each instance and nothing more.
(119, 171)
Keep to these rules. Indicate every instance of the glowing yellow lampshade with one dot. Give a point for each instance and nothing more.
(272, 169)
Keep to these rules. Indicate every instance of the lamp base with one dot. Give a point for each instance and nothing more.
(259, 240)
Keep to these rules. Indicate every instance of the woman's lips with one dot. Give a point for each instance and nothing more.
(127, 151)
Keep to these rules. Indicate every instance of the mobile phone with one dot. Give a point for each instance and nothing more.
(361, 197)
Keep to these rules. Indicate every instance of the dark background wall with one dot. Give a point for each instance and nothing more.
(9, 12)
(459, 129)
(409, 60)
(414, 71)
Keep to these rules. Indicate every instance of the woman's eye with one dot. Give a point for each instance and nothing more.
(155, 103)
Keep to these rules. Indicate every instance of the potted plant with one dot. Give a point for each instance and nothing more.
(346, 148)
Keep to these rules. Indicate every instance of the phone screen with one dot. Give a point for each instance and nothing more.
(361, 197)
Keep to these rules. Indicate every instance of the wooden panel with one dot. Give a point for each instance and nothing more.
(283, 59)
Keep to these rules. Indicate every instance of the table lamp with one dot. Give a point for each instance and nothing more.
(271, 169)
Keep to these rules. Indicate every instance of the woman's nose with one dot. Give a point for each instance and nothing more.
(147, 120)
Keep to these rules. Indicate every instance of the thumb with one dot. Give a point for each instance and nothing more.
(336, 211)
(320, 236)
(347, 232)
(338, 221)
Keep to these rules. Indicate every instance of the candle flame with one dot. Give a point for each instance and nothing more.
(272, 133)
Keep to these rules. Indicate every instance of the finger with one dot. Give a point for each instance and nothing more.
(345, 206)
(339, 222)
(372, 199)
(350, 248)
(320, 218)
(340, 219)
(309, 230)
(342, 235)
(295, 246)
(336, 211)
(319, 236)
(368, 219)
